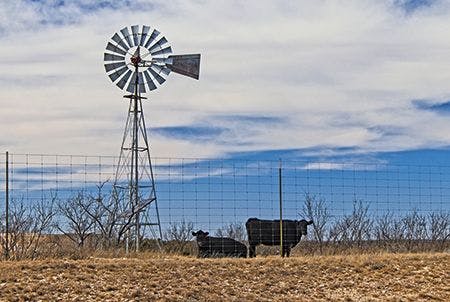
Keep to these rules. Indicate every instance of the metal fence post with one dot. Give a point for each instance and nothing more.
(280, 189)
(7, 207)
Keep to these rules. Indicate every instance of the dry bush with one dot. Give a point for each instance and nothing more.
(439, 229)
(315, 209)
(80, 224)
(388, 231)
(178, 238)
(234, 230)
(27, 226)
(112, 214)
(354, 229)
(414, 231)
(359, 232)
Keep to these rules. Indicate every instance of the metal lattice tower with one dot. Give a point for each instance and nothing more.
(139, 62)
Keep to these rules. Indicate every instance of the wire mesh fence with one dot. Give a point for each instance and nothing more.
(350, 203)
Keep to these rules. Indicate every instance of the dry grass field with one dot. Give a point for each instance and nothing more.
(384, 277)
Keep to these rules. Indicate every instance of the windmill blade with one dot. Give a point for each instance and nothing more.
(149, 81)
(115, 49)
(141, 88)
(123, 81)
(155, 74)
(144, 33)
(158, 44)
(126, 35)
(111, 57)
(116, 74)
(162, 69)
(116, 38)
(112, 66)
(135, 31)
(188, 65)
(153, 36)
(132, 83)
(141, 82)
(163, 51)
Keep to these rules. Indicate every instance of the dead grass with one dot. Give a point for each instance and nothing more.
(158, 277)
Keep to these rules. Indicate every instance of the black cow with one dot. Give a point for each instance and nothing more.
(267, 232)
(218, 246)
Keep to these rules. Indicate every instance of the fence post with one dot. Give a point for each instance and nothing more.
(280, 190)
(7, 207)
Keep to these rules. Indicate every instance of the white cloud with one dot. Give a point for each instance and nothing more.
(336, 73)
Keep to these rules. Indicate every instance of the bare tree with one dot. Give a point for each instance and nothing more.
(43, 214)
(354, 228)
(439, 227)
(233, 230)
(27, 227)
(79, 224)
(104, 211)
(414, 230)
(315, 209)
(113, 214)
(389, 231)
(178, 236)
(20, 224)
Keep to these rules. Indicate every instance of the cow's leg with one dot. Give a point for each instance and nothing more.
(286, 251)
(243, 253)
(252, 251)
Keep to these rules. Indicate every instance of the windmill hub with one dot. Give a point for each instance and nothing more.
(135, 60)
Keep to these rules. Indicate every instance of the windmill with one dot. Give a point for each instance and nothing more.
(139, 62)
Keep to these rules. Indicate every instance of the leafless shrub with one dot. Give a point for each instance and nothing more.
(113, 215)
(79, 223)
(439, 228)
(354, 229)
(414, 230)
(315, 209)
(234, 230)
(27, 226)
(389, 232)
(389, 228)
(178, 237)
(105, 211)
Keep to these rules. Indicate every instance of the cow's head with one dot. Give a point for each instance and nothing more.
(201, 237)
(302, 226)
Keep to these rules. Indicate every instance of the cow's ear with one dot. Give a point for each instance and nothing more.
(194, 233)
(206, 233)
(309, 222)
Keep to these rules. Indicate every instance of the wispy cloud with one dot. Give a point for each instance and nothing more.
(439, 107)
(350, 166)
(39, 14)
(413, 5)
(194, 133)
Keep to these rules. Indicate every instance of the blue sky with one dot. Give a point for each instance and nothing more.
(341, 81)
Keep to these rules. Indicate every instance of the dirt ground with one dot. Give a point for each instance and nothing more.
(384, 277)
